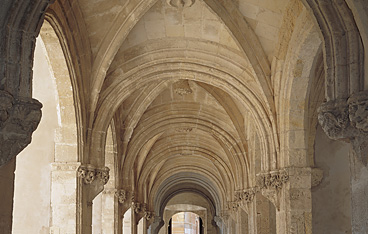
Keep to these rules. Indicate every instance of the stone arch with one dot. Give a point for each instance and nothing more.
(343, 49)
(60, 129)
(174, 185)
(20, 26)
(269, 137)
(298, 78)
(147, 132)
(23, 25)
(246, 39)
(67, 137)
(77, 50)
(74, 73)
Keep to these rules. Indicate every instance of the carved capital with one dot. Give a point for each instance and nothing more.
(89, 174)
(121, 195)
(217, 220)
(103, 174)
(271, 183)
(358, 111)
(334, 118)
(272, 179)
(348, 119)
(137, 207)
(19, 118)
(246, 195)
(224, 216)
(181, 3)
(148, 215)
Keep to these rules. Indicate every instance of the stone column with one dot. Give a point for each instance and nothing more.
(6, 196)
(295, 213)
(347, 120)
(156, 225)
(359, 191)
(252, 215)
(222, 221)
(147, 218)
(73, 188)
(120, 202)
(91, 182)
(245, 200)
(289, 192)
(133, 223)
(19, 117)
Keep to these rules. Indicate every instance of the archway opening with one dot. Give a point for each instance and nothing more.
(44, 168)
(186, 223)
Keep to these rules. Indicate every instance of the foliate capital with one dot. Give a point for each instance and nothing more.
(137, 207)
(148, 215)
(347, 119)
(90, 173)
(246, 195)
(103, 174)
(121, 195)
(272, 179)
(334, 118)
(19, 118)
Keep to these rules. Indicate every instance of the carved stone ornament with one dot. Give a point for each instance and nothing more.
(217, 220)
(245, 195)
(348, 119)
(184, 130)
(358, 111)
(182, 87)
(180, 3)
(121, 195)
(334, 118)
(19, 118)
(273, 179)
(89, 173)
(137, 207)
(224, 216)
(148, 215)
(103, 174)
(271, 183)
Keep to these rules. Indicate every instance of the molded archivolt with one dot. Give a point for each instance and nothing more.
(66, 136)
(69, 25)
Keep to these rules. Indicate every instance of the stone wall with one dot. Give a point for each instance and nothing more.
(331, 200)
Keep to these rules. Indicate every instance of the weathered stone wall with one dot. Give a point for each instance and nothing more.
(331, 199)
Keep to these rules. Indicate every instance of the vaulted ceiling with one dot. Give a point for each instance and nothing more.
(185, 84)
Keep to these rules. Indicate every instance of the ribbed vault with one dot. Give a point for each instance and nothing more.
(182, 91)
